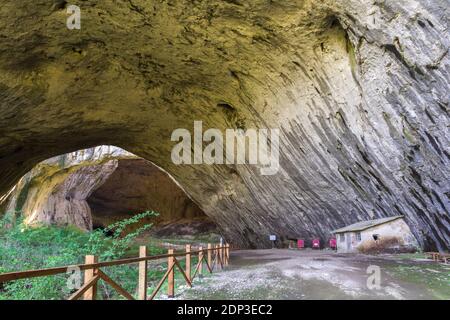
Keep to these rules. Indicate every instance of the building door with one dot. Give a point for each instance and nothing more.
(348, 237)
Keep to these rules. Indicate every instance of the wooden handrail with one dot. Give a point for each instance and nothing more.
(92, 272)
(10, 276)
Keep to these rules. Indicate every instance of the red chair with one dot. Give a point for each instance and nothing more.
(333, 243)
(316, 243)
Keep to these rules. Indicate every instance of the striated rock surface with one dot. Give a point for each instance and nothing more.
(358, 88)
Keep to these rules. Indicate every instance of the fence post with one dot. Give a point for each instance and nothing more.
(225, 261)
(91, 293)
(171, 276)
(209, 255)
(220, 253)
(188, 261)
(142, 287)
(228, 253)
(200, 257)
(225, 254)
(216, 255)
(216, 258)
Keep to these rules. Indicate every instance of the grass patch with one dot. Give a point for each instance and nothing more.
(24, 248)
(434, 277)
(411, 256)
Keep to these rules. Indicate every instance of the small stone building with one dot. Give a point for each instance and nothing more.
(390, 234)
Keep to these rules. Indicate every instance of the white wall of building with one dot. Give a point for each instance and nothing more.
(394, 234)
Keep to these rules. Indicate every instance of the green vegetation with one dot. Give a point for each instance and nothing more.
(434, 277)
(411, 256)
(24, 248)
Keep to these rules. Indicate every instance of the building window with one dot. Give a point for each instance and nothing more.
(358, 236)
(342, 237)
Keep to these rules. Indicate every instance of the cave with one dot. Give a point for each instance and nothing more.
(357, 89)
(137, 186)
(93, 188)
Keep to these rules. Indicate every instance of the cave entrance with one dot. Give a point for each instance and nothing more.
(137, 185)
(92, 188)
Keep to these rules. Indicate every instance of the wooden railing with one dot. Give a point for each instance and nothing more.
(213, 257)
(438, 256)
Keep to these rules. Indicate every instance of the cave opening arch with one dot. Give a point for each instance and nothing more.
(95, 187)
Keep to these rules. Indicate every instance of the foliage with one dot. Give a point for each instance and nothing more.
(24, 248)
(8, 220)
(117, 245)
(433, 277)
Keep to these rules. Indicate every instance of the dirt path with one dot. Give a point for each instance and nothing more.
(291, 274)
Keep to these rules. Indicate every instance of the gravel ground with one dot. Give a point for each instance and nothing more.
(308, 274)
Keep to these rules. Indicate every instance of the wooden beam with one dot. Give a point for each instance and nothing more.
(199, 264)
(200, 260)
(86, 286)
(224, 255)
(91, 293)
(160, 283)
(221, 254)
(91, 268)
(209, 253)
(188, 262)
(114, 284)
(171, 275)
(11, 276)
(188, 281)
(142, 281)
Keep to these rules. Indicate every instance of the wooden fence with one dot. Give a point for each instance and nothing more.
(213, 256)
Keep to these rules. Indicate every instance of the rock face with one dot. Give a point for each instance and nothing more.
(98, 186)
(136, 186)
(359, 90)
(56, 190)
(64, 202)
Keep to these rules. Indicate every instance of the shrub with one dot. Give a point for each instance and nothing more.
(24, 248)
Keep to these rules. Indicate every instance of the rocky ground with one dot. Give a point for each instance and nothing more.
(291, 274)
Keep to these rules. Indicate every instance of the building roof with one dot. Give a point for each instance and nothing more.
(363, 225)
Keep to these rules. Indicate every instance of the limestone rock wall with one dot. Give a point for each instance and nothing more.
(358, 88)
(62, 201)
(55, 191)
